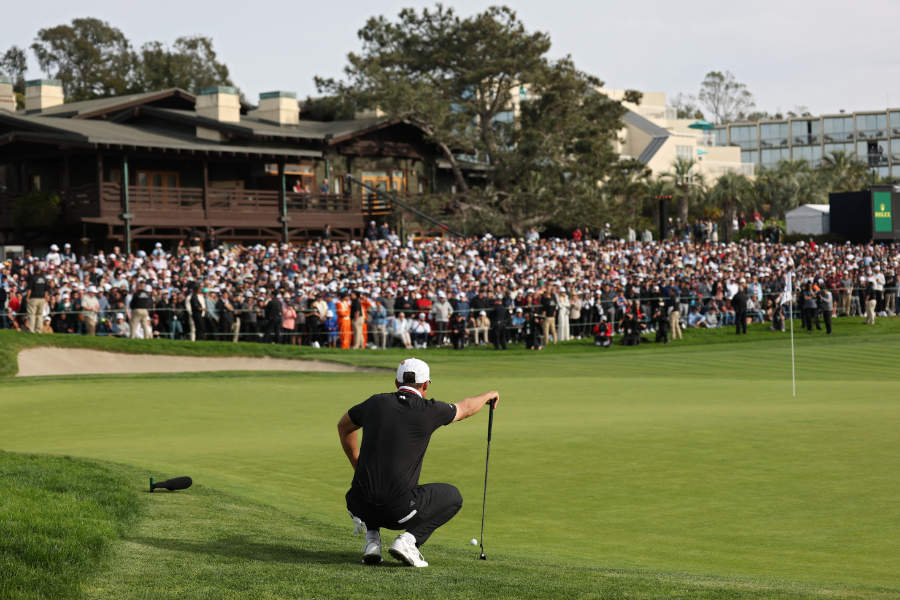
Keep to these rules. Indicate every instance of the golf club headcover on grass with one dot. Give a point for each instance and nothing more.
(176, 483)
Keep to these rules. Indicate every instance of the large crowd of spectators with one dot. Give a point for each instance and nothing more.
(379, 292)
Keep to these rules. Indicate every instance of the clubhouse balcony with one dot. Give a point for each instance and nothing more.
(238, 214)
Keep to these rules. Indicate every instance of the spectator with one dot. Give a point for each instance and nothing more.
(90, 311)
(458, 331)
(399, 328)
(288, 323)
(419, 331)
(35, 298)
(440, 312)
(120, 327)
(480, 326)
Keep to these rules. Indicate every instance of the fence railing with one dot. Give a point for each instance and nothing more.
(176, 323)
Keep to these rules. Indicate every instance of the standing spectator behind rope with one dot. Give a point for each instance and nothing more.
(673, 308)
(357, 320)
(440, 312)
(499, 317)
(141, 303)
(871, 301)
(379, 324)
(562, 325)
(273, 315)
(35, 298)
(809, 306)
(196, 308)
(877, 279)
(890, 291)
(826, 305)
(739, 304)
(90, 309)
(549, 308)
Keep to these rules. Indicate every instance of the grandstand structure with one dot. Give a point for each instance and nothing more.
(164, 164)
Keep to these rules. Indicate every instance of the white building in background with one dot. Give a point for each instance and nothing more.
(809, 219)
(655, 137)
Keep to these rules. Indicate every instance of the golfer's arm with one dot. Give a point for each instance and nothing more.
(468, 407)
(349, 441)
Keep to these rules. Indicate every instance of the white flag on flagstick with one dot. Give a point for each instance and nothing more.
(788, 293)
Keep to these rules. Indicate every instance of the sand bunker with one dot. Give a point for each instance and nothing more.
(73, 361)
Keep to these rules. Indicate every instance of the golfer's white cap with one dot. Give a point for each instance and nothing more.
(413, 365)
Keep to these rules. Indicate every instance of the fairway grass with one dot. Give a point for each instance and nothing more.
(680, 471)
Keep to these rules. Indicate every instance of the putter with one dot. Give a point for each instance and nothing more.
(176, 483)
(486, 461)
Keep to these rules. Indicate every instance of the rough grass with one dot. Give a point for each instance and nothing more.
(58, 518)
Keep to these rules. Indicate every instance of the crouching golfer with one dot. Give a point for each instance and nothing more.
(385, 491)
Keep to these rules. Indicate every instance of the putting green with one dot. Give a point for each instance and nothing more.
(689, 459)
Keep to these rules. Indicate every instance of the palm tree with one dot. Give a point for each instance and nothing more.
(844, 172)
(627, 187)
(732, 192)
(681, 175)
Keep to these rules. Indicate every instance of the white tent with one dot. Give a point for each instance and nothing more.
(809, 219)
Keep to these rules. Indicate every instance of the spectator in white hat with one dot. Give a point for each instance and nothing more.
(120, 327)
(54, 257)
(480, 327)
(419, 330)
(90, 309)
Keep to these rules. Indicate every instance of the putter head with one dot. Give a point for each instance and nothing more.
(482, 557)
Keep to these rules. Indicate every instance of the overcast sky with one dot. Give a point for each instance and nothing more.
(824, 54)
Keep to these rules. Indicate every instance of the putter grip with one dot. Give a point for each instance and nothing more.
(491, 418)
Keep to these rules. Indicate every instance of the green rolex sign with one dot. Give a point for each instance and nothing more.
(881, 205)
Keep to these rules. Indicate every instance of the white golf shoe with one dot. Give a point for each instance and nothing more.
(372, 548)
(404, 549)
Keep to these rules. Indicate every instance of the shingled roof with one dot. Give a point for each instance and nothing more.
(93, 132)
(99, 107)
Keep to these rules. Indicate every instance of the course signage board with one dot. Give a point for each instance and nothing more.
(882, 209)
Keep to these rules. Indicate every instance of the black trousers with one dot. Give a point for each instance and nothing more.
(499, 337)
(420, 512)
(810, 316)
(740, 322)
(826, 315)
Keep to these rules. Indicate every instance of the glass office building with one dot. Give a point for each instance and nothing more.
(873, 137)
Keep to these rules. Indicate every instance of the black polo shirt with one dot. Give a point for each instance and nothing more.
(38, 285)
(396, 430)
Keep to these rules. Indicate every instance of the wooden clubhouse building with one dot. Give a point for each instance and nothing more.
(163, 164)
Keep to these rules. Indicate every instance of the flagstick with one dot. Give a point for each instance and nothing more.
(793, 367)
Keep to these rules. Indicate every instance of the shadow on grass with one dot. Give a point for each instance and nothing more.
(238, 546)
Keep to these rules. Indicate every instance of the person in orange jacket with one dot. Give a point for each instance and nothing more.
(345, 332)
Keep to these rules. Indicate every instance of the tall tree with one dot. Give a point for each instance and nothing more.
(461, 80)
(724, 97)
(90, 57)
(686, 107)
(14, 64)
(627, 186)
(451, 75)
(732, 192)
(190, 64)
